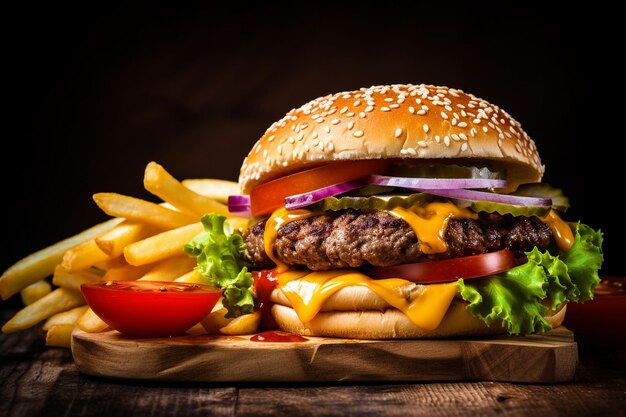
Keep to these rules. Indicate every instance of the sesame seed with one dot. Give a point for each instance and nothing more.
(412, 110)
(500, 135)
(508, 135)
(285, 163)
(462, 124)
(446, 140)
(327, 129)
(385, 109)
(426, 128)
(394, 106)
(463, 136)
(455, 137)
(438, 139)
(321, 145)
(453, 122)
(291, 140)
(411, 151)
(357, 103)
(456, 116)
(306, 148)
(331, 147)
(473, 131)
(320, 120)
(358, 134)
(314, 135)
(335, 121)
(463, 113)
(444, 115)
(476, 121)
(345, 109)
(271, 138)
(369, 109)
(464, 147)
(350, 125)
(303, 126)
(398, 132)
(388, 99)
(400, 100)
(424, 107)
(448, 107)
(422, 144)
(265, 153)
(418, 101)
(315, 116)
(280, 149)
(350, 114)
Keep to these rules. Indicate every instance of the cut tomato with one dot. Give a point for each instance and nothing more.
(449, 270)
(266, 198)
(150, 308)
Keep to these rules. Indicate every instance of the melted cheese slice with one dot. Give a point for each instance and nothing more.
(560, 230)
(429, 223)
(307, 291)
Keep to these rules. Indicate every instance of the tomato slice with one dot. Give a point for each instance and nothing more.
(449, 270)
(270, 196)
(150, 308)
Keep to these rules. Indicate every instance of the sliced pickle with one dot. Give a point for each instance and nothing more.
(559, 201)
(444, 171)
(379, 202)
(502, 208)
(370, 189)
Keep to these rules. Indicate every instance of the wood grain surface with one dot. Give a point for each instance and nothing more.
(35, 380)
(545, 358)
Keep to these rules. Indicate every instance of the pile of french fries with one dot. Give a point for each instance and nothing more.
(144, 241)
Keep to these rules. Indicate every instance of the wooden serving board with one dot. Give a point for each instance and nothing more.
(547, 358)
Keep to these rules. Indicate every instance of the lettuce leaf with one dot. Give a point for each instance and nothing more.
(218, 252)
(520, 297)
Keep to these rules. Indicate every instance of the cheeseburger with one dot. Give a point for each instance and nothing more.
(409, 211)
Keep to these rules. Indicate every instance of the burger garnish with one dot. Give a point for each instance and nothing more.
(405, 212)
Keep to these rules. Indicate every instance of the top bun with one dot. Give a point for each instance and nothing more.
(392, 121)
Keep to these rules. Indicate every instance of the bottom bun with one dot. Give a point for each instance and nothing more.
(391, 324)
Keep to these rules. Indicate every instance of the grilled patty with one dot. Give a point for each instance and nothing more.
(352, 238)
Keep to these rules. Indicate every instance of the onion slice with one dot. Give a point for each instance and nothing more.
(436, 183)
(301, 200)
(239, 204)
(473, 195)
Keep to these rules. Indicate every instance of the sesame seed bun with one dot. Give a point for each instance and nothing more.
(395, 121)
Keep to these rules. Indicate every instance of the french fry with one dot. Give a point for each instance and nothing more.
(41, 264)
(58, 300)
(246, 324)
(215, 320)
(169, 269)
(161, 246)
(35, 291)
(127, 273)
(89, 322)
(69, 317)
(83, 256)
(73, 280)
(114, 241)
(160, 183)
(193, 277)
(218, 190)
(112, 263)
(197, 329)
(141, 211)
(60, 336)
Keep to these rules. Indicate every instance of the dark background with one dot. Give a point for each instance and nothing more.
(93, 95)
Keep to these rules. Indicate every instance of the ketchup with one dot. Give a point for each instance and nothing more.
(265, 281)
(277, 336)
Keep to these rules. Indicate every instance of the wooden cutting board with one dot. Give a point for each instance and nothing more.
(547, 358)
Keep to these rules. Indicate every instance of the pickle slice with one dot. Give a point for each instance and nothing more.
(378, 202)
(500, 208)
(559, 201)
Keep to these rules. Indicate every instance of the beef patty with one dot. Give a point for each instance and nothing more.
(352, 238)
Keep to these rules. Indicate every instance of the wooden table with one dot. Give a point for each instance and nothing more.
(35, 380)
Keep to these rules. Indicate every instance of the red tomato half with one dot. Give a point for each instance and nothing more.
(150, 308)
(266, 198)
(449, 270)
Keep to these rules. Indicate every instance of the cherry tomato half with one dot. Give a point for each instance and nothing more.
(150, 308)
(266, 198)
(449, 270)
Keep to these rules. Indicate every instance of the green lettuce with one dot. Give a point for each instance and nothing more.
(520, 297)
(218, 251)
